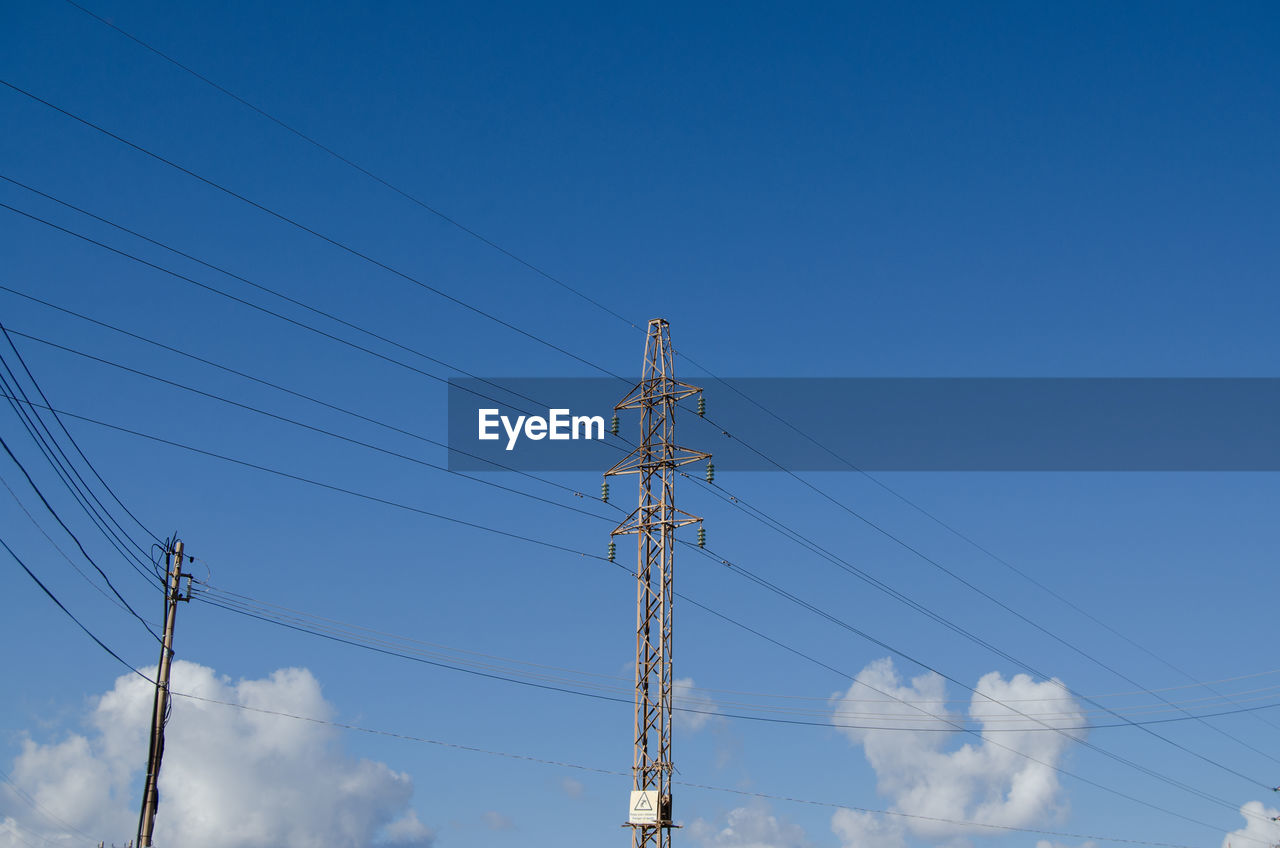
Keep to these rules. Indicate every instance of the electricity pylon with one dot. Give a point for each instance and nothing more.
(654, 522)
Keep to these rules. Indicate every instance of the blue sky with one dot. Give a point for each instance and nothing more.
(824, 190)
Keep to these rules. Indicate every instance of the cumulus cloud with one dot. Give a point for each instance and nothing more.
(749, 827)
(866, 830)
(495, 820)
(1258, 829)
(230, 777)
(694, 709)
(408, 832)
(1005, 779)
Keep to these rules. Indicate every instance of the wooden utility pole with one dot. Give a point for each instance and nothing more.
(160, 710)
(654, 522)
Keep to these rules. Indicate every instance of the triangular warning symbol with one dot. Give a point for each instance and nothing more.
(643, 802)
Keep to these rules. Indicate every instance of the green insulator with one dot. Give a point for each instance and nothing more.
(702, 537)
(613, 551)
(702, 405)
(711, 472)
(613, 425)
(604, 491)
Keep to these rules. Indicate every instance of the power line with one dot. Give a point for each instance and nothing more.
(880, 585)
(1207, 760)
(761, 581)
(57, 548)
(692, 785)
(48, 506)
(548, 276)
(284, 419)
(518, 329)
(300, 615)
(319, 484)
(94, 126)
(301, 395)
(410, 197)
(415, 658)
(256, 285)
(241, 301)
(72, 439)
(573, 679)
(46, 104)
(18, 836)
(362, 632)
(66, 471)
(594, 302)
(70, 614)
(526, 758)
(1135, 765)
(36, 805)
(883, 587)
(303, 227)
(117, 657)
(957, 533)
(272, 313)
(821, 613)
(1112, 712)
(73, 415)
(1184, 748)
(931, 819)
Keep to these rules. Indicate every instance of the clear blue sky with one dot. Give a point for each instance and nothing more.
(823, 190)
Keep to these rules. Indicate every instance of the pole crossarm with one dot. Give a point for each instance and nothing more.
(641, 522)
(656, 389)
(641, 459)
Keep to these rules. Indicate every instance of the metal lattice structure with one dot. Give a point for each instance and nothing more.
(654, 522)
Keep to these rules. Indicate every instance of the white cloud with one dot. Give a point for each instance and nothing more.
(1258, 831)
(495, 820)
(694, 709)
(230, 777)
(868, 831)
(1045, 843)
(408, 831)
(749, 827)
(1007, 779)
(572, 788)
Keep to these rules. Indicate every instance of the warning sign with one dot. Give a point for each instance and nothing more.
(644, 806)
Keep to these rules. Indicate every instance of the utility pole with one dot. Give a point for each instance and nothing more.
(160, 710)
(654, 522)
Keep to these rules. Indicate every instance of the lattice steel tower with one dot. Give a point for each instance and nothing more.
(654, 522)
